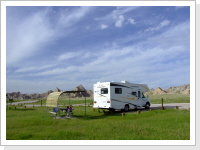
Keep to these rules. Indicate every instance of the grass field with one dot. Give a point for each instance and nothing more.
(170, 98)
(36, 124)
(66, 101)
(155, 99)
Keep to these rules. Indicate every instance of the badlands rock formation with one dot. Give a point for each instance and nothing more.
(184, 89)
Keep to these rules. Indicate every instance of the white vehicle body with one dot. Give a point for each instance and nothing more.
(120, 95)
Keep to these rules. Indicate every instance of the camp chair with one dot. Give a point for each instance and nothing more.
(54, 112)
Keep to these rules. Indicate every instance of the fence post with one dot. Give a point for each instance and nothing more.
(162, 105)
(138, 112)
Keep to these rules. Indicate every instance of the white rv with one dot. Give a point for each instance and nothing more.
(120, 95)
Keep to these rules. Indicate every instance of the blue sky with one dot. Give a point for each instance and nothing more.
(49, 47)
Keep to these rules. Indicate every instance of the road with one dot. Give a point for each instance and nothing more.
(23, 102)
(153, 106)
(171, 105)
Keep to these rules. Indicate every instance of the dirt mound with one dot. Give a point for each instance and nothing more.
(184, 89)
(158, 91)
(57, 90)
(80, 94)
(79, 88)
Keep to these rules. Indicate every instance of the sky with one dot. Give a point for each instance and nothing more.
(60, 46)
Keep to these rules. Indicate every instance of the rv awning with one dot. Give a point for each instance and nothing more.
(52, 98)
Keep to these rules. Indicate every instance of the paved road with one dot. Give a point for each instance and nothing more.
(153, 106)
(22, 102)
(171, 105)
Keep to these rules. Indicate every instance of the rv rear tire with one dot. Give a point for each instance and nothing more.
(126, 107)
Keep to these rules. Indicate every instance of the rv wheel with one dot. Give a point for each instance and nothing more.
(126, 107)
(147, 106)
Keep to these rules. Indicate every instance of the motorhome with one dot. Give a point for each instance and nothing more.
(120, 95)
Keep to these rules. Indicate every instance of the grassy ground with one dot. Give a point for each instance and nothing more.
(155, 99)
(36, 124)
(66, 101)
(170, 98)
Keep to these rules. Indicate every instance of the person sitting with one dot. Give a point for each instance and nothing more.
(70, 109)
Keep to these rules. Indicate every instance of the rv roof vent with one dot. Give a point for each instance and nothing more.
(124, 82)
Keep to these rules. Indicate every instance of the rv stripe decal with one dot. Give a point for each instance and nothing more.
(128, 98)
(125, 102)
(112, 84)
(143, 87)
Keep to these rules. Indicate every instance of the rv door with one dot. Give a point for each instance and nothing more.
(103, 100)
(139, 98)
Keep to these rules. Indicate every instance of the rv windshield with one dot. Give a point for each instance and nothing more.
(104, 91)
(143, 95)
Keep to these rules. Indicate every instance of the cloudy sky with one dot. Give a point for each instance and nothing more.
(49, 47)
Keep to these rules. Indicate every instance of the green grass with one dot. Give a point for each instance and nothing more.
(66, 101)
(35, 124)
(169, 98)
(155, 99)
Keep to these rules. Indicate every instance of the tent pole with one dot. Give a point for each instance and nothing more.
(69, 99)
(85, 105)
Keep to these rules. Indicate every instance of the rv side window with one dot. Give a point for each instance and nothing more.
(104, 91)
(118, 90)
(134, 93)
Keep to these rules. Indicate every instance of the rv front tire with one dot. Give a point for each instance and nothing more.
(147, 106)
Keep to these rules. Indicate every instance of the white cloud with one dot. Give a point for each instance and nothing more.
(104, 26)
(28, 37)
(67, 19)
(117, 16)
(33, 68)
(156, 59)
(120, 20)
(170, 37)
(164, 23)
(31, 86)
(68, 55)
(179, 7)
(59, 70)
(131, 21)
(121, 10)
(160, 26)
(136, 57)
